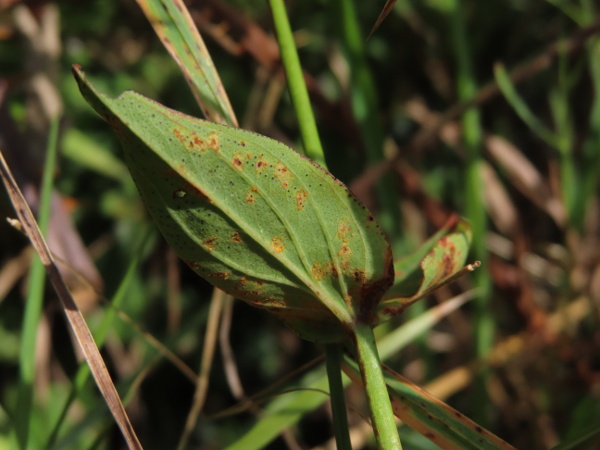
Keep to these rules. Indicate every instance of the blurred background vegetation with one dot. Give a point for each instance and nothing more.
(412, 120)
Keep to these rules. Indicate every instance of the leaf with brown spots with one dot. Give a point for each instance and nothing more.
(439, 261)
(253, 217)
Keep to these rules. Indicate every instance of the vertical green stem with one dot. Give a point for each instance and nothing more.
(338, 402)
(475, 211)
(314, 150)
(365, 107)
(382, 414)
(35, 296)
(296, 85)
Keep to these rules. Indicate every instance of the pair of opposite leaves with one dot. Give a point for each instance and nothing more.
(260, 221)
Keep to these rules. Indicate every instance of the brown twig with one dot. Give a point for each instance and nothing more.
(74, 316)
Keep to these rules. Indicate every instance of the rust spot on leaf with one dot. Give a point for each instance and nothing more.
(250, 197)
(359, 276)
(180, 137)
(238, 161)
(193, 264)
(236, 237)
(283, 174)
(198, 144)
(448, 258)
(219, 275)
(317, 271)
(300, 197)
(322, 270)
(278, 244)
(260, 165)
(211, 243)
(213, 141)
(343, 230)
(348, 300)
(344, 251)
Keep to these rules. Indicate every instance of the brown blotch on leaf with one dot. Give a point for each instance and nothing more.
(193, 264)
(317, 271)
(260, 165)
(198, 144)
(448, 259)
(344, 251)
(238, 161)
(213, 141)
(359, 276)
(236, 237)
(180, 137)
(322, 270)
(343, 230)
(283, 174)
(220, 275)
(300, 197)
(278, 244)
(211, 243)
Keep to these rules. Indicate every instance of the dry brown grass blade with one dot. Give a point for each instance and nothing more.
(76, 320)
(210, 342)
(389, 5)
(525, 177)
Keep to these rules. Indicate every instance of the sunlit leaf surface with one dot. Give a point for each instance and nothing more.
(252, 216)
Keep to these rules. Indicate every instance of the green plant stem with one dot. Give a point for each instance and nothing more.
(296, 84)
(365, 107)
(382, 414)
(475, 211)
(338, 401)
(34, 302)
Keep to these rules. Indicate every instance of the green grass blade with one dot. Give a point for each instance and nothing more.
(365, 107)
(518, 104)
(175, 27)
(297, 87)
(34, 301)
(472, 130)
(333, 354)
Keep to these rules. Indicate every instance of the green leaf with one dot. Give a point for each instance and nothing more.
(439, 261)
(175, 27)
(253, 217)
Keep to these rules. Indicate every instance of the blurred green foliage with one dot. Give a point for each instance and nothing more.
(538, 265)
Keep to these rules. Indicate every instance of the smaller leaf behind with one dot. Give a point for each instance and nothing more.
(252, 216)
(437, 262)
